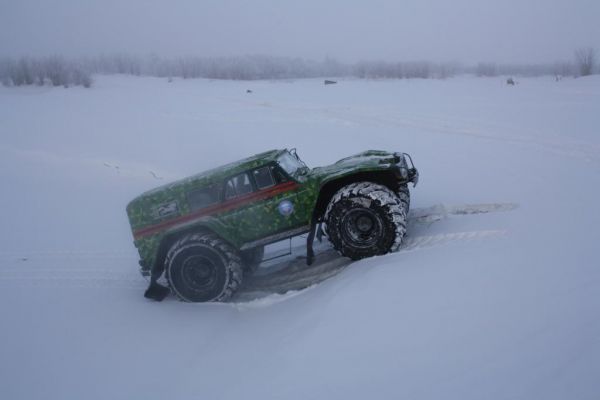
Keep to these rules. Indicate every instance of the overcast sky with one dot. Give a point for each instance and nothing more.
(519, 31)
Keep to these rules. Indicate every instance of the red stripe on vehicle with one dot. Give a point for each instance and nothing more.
(229, 205)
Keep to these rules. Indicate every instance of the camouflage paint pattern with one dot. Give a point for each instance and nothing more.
(165, 211)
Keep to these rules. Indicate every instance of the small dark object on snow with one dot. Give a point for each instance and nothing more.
(248, 91)
(328, 82)
(156, 292)
(510, 81)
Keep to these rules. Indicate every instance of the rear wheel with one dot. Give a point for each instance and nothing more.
(203, 267)
(365, 219)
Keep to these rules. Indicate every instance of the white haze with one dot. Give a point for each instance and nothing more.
(509, 31)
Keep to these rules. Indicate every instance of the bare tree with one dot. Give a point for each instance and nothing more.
(562, 69)
(6, 67)
(585, 59)
(55, 68)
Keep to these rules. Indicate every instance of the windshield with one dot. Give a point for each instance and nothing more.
(290, 164)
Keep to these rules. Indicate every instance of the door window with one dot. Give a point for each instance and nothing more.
(263, 178)
(238, 186)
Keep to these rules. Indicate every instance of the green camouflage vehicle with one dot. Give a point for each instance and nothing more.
(206, 231)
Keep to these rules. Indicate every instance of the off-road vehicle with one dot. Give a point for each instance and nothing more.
(206, 231)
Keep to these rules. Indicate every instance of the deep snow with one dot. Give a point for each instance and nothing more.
(494, 295)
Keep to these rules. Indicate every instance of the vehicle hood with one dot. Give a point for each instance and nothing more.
(370, 160)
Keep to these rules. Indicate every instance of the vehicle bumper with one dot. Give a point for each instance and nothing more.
(405, 169)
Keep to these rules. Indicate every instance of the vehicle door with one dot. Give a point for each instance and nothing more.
(281, 208)
(240, 208)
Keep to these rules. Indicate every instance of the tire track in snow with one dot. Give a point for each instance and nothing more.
(298, 276)
(440, 211)
(422, 242)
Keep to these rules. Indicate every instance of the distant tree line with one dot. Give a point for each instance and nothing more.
(54, 71)
(402, 70)
(529, 70)
(58, 71)
(251, 67)
(266, 67)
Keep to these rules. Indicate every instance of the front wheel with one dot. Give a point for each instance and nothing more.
(202, 267)
(404, 196)
(365, 219)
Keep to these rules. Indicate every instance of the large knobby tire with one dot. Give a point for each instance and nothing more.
(365, 219)
(404, 196)
(252, 258)
(202, 267)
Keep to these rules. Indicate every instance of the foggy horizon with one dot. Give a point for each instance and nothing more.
(463, 31)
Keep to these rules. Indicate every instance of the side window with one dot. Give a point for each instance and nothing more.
(229, 189)
(263, 178)
(278, 175)
(237, 186)
(203, 197)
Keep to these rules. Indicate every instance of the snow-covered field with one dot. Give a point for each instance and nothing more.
(494, 295)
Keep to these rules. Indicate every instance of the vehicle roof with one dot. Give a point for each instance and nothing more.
(218, 173)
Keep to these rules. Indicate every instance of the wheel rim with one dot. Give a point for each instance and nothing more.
(361, 227)
(199, 272)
